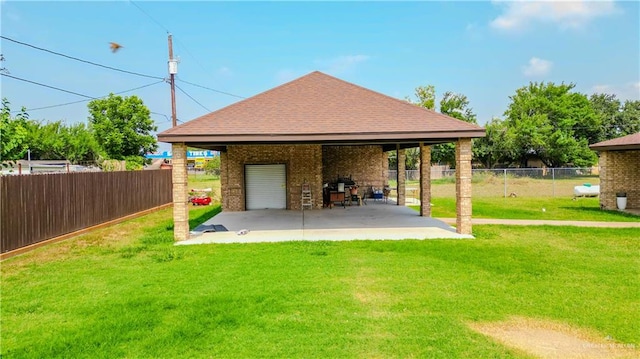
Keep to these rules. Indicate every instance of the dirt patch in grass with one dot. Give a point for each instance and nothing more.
(546, 339)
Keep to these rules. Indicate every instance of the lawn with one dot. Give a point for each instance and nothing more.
(494, 186)
(549, 208)
(126, 291)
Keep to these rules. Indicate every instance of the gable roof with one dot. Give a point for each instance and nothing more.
(629, 142)
(323, 109)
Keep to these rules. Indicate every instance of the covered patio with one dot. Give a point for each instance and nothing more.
(313, 132)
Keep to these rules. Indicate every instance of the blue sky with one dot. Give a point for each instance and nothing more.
(485, 50)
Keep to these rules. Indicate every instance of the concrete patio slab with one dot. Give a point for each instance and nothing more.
(374, 221)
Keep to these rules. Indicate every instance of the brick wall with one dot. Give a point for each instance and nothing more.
(619, 172)
(365, 164)
(303, 163)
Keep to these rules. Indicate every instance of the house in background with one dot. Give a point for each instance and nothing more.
(316, 130)
(619, 170)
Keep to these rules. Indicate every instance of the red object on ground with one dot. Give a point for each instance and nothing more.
(201, 201)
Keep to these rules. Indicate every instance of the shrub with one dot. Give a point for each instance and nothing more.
(212, 167)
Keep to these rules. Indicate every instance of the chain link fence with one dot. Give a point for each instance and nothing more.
(505, 182)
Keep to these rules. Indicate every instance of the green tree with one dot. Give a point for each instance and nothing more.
(551, 123)
(426, 97)
(630, 118)
(122, 126)
(80, 144)
(456, 106)
(617, 119)
(13, 133)
(55, 141)
(452, 104)
(2, 68)
(212, 167)
(45, 140)
(495, 148)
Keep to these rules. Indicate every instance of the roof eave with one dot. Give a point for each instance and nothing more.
(616, 147)
(319, 137)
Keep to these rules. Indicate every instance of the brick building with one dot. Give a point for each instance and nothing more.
(619, 170)
(316, 129)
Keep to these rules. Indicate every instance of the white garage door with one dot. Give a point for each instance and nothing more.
(266, 186)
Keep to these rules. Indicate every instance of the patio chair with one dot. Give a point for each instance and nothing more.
(355, 195)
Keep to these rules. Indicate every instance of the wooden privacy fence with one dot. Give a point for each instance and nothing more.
(34, 208)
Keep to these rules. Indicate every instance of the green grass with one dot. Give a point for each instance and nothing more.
(581, 209)
(126, 291)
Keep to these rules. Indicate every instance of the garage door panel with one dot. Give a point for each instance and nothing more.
(266, 186)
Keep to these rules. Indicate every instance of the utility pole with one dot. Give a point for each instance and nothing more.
(173, 70)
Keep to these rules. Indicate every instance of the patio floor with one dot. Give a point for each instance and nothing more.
(374, 221)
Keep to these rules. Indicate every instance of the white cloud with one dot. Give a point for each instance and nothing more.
(341, 64)
(566, 14)
(537, 67)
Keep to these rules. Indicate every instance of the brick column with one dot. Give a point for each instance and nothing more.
(402, 174)
(180, 192)
(463, 186)
(425, 180)
(385, 168)
(224, 180)
(607, 180)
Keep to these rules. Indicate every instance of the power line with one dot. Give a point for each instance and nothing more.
(210, 89)
(89, 98)
(178, 41)
(162, 114)
(81, 60)
(187, 50)
(74, 102)
(190, 54)
(165, 116)
(194, 100)
(51, 87)
(149, 16)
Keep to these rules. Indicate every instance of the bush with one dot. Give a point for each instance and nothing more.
(212, 167)
(134, 163)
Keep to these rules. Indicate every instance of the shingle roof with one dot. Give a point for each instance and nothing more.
(629, 142)
(319, 107)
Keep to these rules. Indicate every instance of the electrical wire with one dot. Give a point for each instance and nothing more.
(177, 40)
(89, 98)
(81, 60)
(79, 101)
(210, 89)
(51, 87)
(190, 54)
(149, 16)
(194, 100)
